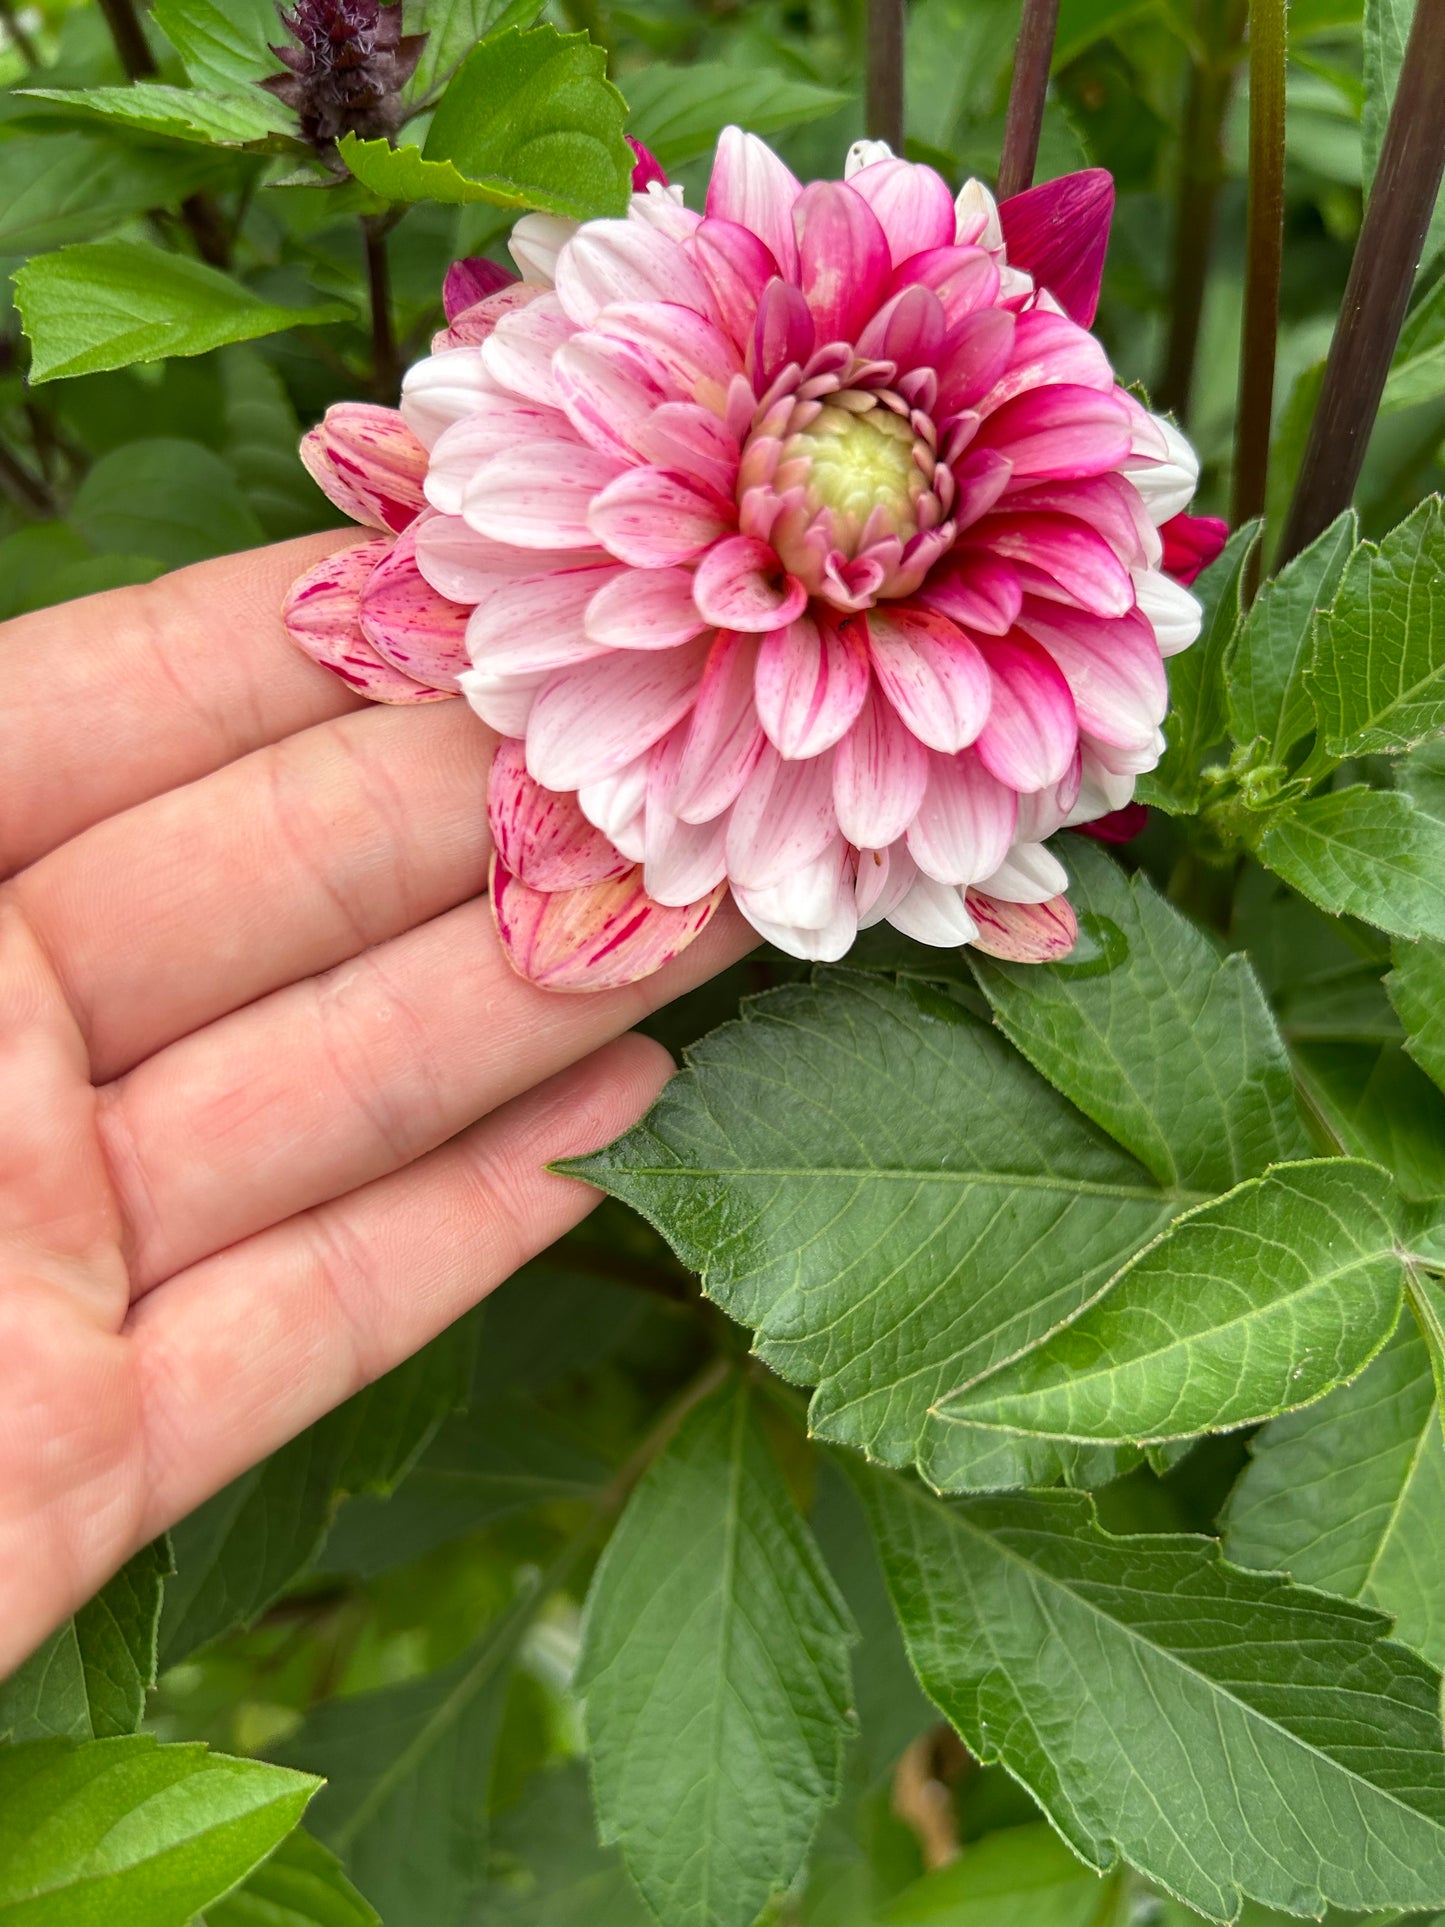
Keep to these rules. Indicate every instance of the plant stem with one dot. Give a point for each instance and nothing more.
(29, 52)
(1026, 96)
(1201, 174)
(1268, 41)
(884, 113)
(1377, 294)
(385, 367)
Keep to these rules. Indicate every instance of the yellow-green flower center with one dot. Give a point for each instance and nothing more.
(860, 461)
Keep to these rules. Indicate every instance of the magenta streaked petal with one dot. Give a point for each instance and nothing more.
(1058, 557)
(681, 435)
(978, 591)
(646, 167)
(322, 614)
(783, 818)
(470, 281)
(980, 480)
(964, 279)
(465, 566)
(1113, 669)
(689, 357)
(681, 861)
(931, 672)
(536, 622)
(737, 266)
(783, 333)
(1058, 433)
(608, 261)
(965, 821)
(1023, 932)
(724, 738)
(608, 393)
(1049, 349)
(1032, 730)
(540, 835)
(1107, 503)
(539, 496)
(974, 358)
(753, 188)
(655, 518)
(599, 937)
(843, 258)
(409, 624)
(812, 677)
(588, 721)
(912, 204)
(1059, 233)
(741, 584)
(518, 352)
(368, 462)
(907, 330)
(497, 425)
(1028, 874)
(644, 609)
(880, 771)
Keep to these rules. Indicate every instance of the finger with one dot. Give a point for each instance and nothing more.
(115, 698)
(264, 872)
(329, 1084)
(241, 1352)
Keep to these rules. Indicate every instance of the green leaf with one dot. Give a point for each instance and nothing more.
(29, 562)
(1417, 990)
(1417, 372)
(1266, 662)
(262, 435)
(174, 500)
(90, 1678)
(1364, 853)
(549, 1869)
(224, 48)
(402, 174)
(1378, 675)
(679, 112)
(870, 1176)
(253, 120)
(112, 303)
(1225, 1732)
(1021, 1877)
(1386, 31)
(533, 117)
(61, 187)
(1248, 1307)
(1378, 1105)
(714, 1673)
(126, 1833)
(453, 28)
(1165, 1044)
(1348, 1496)
(1197, 712)
(241, 1549)
(301, 1885)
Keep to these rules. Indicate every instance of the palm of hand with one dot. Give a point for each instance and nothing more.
(275, 1111)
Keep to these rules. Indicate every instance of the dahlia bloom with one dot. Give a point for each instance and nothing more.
(803, 548)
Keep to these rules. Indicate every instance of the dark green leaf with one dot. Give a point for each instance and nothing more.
(1266, 662)
(173, 500)
(226, 119)
(1417, 373)
(1376, 1104)
(1417, 990)
(262, 434)
(1223, 1731)
(126, 1833)
(301, 1885)
(29, 562)
(1022, 1877)
(453, 28)
(63, 186)
(1165, 1044)
(90, 1678)
(1248, 1307)
(1364, 853)
(714, 1672)
(548, 1869)
(680, 111)
(224, 47)
(1348, 1496)
(112, 303)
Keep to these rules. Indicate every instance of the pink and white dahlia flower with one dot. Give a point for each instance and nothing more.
(804, 547)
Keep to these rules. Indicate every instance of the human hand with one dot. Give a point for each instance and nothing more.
(275, 1109)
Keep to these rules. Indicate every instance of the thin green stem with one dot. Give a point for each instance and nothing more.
(1268, 43)
(1377, 294)
(884, 111)
(1028, 92)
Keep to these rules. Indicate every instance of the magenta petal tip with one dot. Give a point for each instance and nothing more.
(1023, 932)
(600, 936)
(1059, 233)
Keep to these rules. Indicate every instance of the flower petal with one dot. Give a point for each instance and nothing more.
(843, 258)
(724, 738)
(965, 822)
(912, 203)
(1113, 669)
(688, 356)
(409, 624)
(812, 677)
(1191, 543)
(1056, 556)
(539, 496)
(617, 805)
(654, 518)
(518, 352)
(931, 672)
(536, 241)
(599, 937)
(737, 266)
(1059, 233)
(646, 167)
(644, 609)
(1023, 932)
(783, 819)
(741, 584)
(683, 436)
(1176, 615)
(978, 591)
(470, 281)
(503, 699)
(465, 566)
(752, 187)
(368, 462)
(322, 614)
(974, 358)
(880, 772)
(681, 861)
(813, 914)
(498, 424)
(1058, 432)
(540, 835)
(526, 623)
(1032, 730)
(609, 261)
(1047, 349)
(444, 389)
(588, 721)
(783, 333)
(1028, 874)
(934, 913)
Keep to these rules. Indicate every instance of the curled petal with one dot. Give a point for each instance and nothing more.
(537, 240)
(1176, 616)
(1059, 233)
(541, 836)
(598, 937)
(978, 591)
(539, 496)
(737, 266)
(495, 426)
(1023, 932)
(783, 818)
(448, 385)
(409, 624)
(517, 355)
(654, 518)
(1113, 669)
(880, 773)
(617, 805)
(1059, 433)
(931, 672)
(322, 614)
(646, 167)
(753, 188)
(1191, 543)
(688, 356)
(812, 914)
(470, 281)
(368, 462)
(933, 913)
(502, 698)
(1048, 348)
(907, 330)
(1118, 826)
(1028, 874)
(812, 677)
(741, 584)
(783, 333)
(1056, 556)
(1164, 468)
(976, 217)
(681, 861)
(527, 623)
(973, 359)
(1032, 730)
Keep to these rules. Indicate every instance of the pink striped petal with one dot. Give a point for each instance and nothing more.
(907, 330)
(973, 359)
(980, 480)
(724, 738)
(681, 435)
(518, 352)
(741, 584)
(443, 389)
(1023, 932)
(646, 167)
(465, 566)
(322, 614)
(964, 279)
(812, 677)
(1107, 503)
(737, 266)
(812, 914)
(497, 425)
(368, 462)
(752, 187)
(1059, 233)
(965, 822)
(1032, 730)
(880, 772)
(931, 672)
(687, 355)
(843, 258)
(681, 861)
(609, 261)
(644, 609)
(539, 496)
(1049, 349)
(783, 819)
(1059, 432)
(1057, 557)
(540, 835)
(978, 591)
(600, 937)
(588, 721)
(1113, 669)
(912, 203)
(409, 624)
(783, 334)
(653, 518)
(471, 281)
(608, 393)
(537, 622)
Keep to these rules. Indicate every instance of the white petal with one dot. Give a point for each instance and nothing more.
(442, 389)
(863, 154)
(1176, 615)
(536, 241)
(934, 913)
(1167, 486)
(1030, 874)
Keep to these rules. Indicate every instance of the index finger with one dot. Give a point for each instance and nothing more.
(119, 697)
